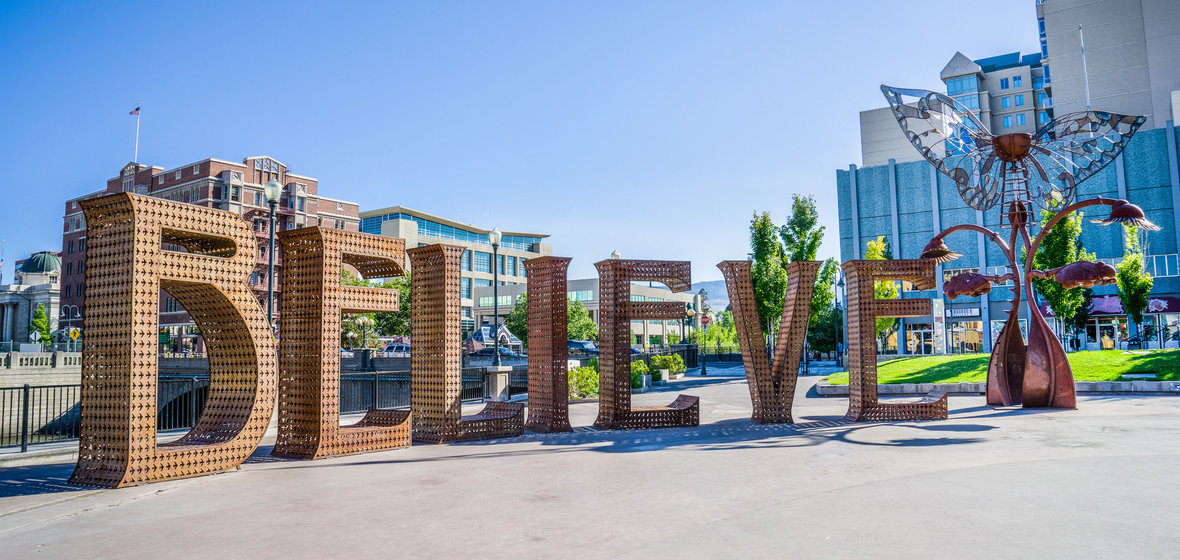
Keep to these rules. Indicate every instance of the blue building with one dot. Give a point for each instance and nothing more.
(910, 202)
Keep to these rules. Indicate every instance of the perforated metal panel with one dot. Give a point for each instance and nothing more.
(616, 310)
(548, 409)
(772, 386)
(435, 359)
(314, 298)
(863, 311)
(126, 267)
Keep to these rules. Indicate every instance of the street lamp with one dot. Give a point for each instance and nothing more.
(688, 315)
(614, 255)
(494, 237)
(351, 339)
(273, 191)
(843, 323)
(364, 322)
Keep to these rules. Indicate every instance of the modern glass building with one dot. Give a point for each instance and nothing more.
(420, 228)
(910, 202)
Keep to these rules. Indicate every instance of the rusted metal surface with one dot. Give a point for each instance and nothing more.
(314, 298)
(126, 267)
(771, 384)
(616, 311)
(863, 311)
(435, 360)
(548, 409)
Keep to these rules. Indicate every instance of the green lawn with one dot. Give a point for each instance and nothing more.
(1100, 365)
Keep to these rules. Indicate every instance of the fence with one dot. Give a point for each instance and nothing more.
(39, 414)
(518, 381)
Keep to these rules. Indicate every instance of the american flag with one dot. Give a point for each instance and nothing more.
(135, 111)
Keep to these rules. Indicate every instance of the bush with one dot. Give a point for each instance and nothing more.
(671, 362)
(638, 368)
(583, 382)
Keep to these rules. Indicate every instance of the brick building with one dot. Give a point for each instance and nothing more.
(213, 183)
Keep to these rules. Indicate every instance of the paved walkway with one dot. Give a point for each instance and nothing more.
(1099, 482)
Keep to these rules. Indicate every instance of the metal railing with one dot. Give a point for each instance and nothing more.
(38, 414)
(518, 381)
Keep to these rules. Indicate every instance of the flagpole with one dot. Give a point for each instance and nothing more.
(137, 110)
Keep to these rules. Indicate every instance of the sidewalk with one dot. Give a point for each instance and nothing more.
(987, 483)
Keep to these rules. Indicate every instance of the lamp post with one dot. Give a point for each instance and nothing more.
(273, 191)
(844, 324)
(351, 339)
(494, 237)
(688, 315)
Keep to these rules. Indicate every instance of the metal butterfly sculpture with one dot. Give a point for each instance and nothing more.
(1044, 167)
(1017, 170)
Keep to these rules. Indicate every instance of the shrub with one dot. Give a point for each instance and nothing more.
(592, 363)
(638, 368)
(671, 362)
(677, 363)
(583, 382)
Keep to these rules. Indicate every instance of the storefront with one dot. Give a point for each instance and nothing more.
(919, 338)
(964, 330)
(1108, 327)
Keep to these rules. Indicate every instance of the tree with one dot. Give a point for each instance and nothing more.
(1134, 283)
(389, 323)
(882, 289)
(801, 237)
(578, 322)
(1059, 248)
(40, 324)
(705, 308)
(825, 291)
(823, 336)
(767, 273)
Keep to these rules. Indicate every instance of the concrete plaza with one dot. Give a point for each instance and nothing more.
(1098, 482)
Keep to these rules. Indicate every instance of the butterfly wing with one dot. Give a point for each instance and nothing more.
(951, 138)
(1073, 148)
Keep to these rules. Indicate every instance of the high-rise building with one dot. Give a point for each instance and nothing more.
(1132, 54)
(212, 183)
(420, 228)
(1007, 92)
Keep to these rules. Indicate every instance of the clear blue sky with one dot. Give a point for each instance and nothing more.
(654, 128)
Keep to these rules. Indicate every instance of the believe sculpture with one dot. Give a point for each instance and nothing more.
(548, 347)
(128, 263)
(1015, 171)
(314, 298)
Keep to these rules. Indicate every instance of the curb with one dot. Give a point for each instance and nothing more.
(1086, 387)
(46, 457)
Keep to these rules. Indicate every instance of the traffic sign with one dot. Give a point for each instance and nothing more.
(74, 333)
(34, 336)
(705, 320)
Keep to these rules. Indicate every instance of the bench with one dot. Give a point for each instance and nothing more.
(684, 411)
(933, 406)
(498, 419)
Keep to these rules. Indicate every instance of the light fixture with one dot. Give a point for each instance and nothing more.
(495, 237)
(614, 255)
(273, 191)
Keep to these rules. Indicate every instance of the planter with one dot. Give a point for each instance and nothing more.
(665, 375)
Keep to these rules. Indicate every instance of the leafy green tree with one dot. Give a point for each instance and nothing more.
(580, 325)
(1134, 284)
(801, 236)
(392, 323)
(768, 275)
(882, 289)
(578, 322)
(1059, 248)
(40, 324)
(825, 291)
(823, 336)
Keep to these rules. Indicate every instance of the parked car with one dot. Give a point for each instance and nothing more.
(504, 353)
(397, 350)
(578, 347)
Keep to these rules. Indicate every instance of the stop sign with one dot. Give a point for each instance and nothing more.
(705, 320)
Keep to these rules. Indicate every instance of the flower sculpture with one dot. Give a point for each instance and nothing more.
(1017, 171)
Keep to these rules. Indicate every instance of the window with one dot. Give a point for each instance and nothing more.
(500, 264)
(1008, 121)
(178, 174)
(81, 266)
(79, 290)
(970, 101)
(196, 169)
(235, 194)
(70, 247)
(466, 260)
(1019, 99)
(82, 245)
(1161, 265)
(1042, 98)
(488, 301)
(1020, 118)
(581, 295)
(161, 179)
(1003, 83)
(465, 288)
(254, 277)
(1017, 81)
(67, 294)
(1039, 82)
(1005, 102)
(961, 85)
(1047, 80)
(301, 203)
(482, 283)
(1043, 117)
(257, 199)
(948, 273)
(483, 262)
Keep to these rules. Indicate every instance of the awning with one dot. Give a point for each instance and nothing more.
(1112, 305)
